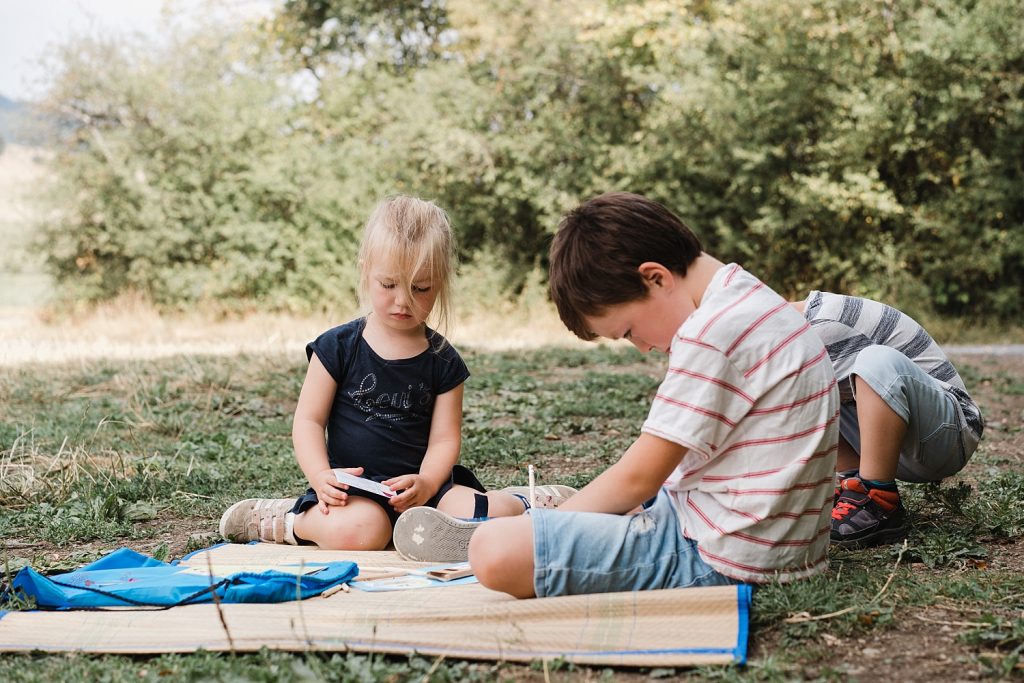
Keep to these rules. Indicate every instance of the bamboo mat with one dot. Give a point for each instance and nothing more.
(678, 627)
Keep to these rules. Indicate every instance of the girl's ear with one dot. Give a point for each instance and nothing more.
(655, 275)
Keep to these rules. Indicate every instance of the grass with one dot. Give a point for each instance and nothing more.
(147, 453)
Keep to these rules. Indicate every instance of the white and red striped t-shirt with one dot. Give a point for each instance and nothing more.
(750, 392)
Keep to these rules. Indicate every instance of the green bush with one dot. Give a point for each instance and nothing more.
(857, 146)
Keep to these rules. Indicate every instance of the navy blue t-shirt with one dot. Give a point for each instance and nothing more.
(380, 418)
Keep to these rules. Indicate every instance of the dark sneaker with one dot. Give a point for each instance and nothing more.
(425, 534)
(865, 517)
(840, 478)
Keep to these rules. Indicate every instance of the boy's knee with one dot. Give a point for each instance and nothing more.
(879, 360)
(487, 549)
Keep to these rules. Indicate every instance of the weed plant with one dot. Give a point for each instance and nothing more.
(147, 454)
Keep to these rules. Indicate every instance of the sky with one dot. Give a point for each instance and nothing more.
(29, 27)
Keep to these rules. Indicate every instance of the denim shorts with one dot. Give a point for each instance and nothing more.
(593, 552)
(938, 442)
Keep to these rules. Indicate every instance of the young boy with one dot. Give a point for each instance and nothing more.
(905, 413)
(731, 478)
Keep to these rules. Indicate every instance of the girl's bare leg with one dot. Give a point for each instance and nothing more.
(460, 501)
(360, 524)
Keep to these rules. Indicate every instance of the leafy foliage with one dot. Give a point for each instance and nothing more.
(838, 144)
(397, 34)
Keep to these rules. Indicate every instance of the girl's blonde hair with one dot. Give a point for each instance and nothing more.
(410, 236)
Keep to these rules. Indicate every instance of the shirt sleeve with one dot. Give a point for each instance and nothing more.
(700, 402)
(450, 370)
(332, 348)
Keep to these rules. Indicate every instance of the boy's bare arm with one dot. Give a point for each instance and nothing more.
(636, 477)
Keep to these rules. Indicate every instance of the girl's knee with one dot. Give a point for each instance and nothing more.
(358, 537)
(347, 529)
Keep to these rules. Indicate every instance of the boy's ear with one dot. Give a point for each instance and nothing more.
(655, 275)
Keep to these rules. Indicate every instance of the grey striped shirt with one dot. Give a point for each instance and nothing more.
(848, 324)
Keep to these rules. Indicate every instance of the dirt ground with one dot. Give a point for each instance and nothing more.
(918, 646)
(923, 645)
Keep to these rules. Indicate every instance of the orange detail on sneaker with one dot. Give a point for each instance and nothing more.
(887, 500)
(864, 517)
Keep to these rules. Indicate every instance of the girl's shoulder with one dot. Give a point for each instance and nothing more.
(346, 333)
(440, 346)
(449, 368)
(339, 341)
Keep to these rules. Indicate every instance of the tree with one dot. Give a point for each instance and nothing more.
(840, 144)
(398, 35)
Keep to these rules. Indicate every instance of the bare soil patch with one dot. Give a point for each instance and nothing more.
(927, 644)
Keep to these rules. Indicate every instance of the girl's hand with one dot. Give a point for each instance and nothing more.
(417, 491)
(328, 490)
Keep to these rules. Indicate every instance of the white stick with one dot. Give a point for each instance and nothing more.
(533, 493)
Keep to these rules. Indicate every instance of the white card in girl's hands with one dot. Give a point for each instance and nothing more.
(363, 483)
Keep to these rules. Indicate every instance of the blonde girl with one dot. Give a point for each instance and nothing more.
(387, 391)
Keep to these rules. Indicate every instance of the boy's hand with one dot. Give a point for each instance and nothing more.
(418, 490)
(329, 491)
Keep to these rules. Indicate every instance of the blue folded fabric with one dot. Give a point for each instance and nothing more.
(127, 578)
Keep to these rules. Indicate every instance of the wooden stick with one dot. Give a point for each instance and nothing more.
(333, 589)
(533, 492)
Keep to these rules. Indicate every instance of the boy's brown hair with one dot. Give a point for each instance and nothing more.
(598, 250)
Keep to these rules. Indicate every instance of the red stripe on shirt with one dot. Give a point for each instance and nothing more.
(753, 326)
(715, 318)
(763, 570)
(767, 473)
(787, 437)
(695, 408)
(714, 380)
(809, 512)
(761, 442)
(707, 520)
(811, 363)
(771, 354)
(788, 406)
(782, 544)
(797, 515)
(811, 485)
(696, 342)
(749, 537)
(728, 278)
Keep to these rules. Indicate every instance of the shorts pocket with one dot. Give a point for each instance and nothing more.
(942, 451)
